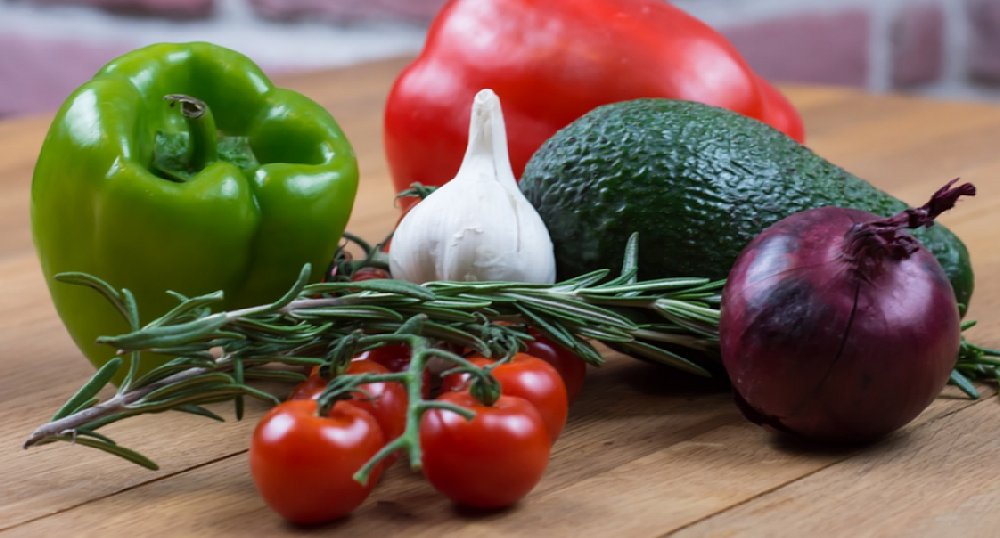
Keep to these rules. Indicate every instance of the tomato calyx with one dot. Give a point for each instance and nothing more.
(482, 385)
(486, 390)
(373, 265)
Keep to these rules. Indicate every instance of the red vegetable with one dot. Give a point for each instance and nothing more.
(838, 325)
(551, 62)
(395, 357)
(303, 464)
(369, 273)
(526, 377)
(491, 461)
(311, 388)
(570, 366)
(387, 402)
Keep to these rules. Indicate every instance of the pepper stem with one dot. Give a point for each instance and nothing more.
(203, 146)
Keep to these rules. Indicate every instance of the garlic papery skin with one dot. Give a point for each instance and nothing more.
(478, 226)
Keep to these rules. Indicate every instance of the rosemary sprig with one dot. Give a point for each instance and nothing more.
(671, 321)
(975, 363)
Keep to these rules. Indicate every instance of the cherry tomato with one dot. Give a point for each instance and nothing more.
(303, 464)
(526, 377)
(309, 389)
(387, 402)
(395, 357)
(369, 273)
(571, 367)
(491, 461)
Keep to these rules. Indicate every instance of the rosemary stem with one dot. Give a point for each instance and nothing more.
(119, 402)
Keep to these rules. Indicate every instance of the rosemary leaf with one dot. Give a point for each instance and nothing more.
(111, 448)
(187, 306)
(349, 312)
(630, 262)
(95, 435)
(89, 403)
(292, 360)
(964, 384)
(603, 335)
(441, 313)
(106, 419)
(239, 379)
(199, 410)
(282, 376)
(384, 285)
(293, 292)
(583, 281)
(98, 285)
(663, 356)
(97, 382)
(213, 378)
(661, 285)
(198, 397)
(457, 304)
(132, 309)
(176, 365)
(168, 335)
(573, 309)
(562, 337)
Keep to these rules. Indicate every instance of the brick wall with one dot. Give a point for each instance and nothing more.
(945, 48)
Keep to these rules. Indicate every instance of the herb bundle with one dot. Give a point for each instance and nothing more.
(218, 354)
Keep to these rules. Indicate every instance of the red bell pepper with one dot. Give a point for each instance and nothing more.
(551, 62)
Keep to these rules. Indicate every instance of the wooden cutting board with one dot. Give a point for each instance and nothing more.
(642, 455)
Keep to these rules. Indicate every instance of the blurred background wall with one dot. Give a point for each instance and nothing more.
(948, 48)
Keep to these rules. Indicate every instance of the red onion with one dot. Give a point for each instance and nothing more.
(839, 326)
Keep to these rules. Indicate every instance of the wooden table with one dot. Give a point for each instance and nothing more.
(641, 456)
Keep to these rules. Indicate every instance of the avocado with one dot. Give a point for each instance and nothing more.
(698, 183)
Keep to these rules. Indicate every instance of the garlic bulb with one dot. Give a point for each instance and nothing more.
(478, 226)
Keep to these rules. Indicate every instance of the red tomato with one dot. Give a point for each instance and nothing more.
(387, 402)
(490, 461)
(568, 364)
(526, 377)
(395, 357)
(303, 464)
(309, 389)
(369, 273)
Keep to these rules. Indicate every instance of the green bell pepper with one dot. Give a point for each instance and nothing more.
(181, 167)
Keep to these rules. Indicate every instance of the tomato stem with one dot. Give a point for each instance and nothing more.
(365, 471)
(413, 378)
(466, 413)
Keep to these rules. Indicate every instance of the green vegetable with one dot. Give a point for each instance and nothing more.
(697, 183)
(181, 167)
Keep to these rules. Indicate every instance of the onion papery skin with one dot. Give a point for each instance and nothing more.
(818, 347)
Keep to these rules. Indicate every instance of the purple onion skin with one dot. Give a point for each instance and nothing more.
(817, 346)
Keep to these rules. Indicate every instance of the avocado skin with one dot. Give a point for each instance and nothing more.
(698, 183)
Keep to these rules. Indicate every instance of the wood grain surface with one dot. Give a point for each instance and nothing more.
(645, 453)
